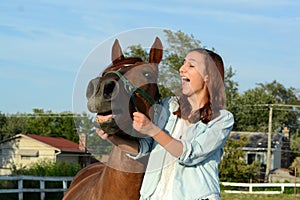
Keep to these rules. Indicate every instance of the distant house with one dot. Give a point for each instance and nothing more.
(257, 147)
(22, 150)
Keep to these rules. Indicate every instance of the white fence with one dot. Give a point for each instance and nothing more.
(281, 186)
(42, 190)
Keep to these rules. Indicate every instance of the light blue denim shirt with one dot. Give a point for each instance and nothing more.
(196, 170)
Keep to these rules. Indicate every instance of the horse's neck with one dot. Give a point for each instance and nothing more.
(119, 160)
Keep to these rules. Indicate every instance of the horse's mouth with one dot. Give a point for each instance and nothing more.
(103, 118)
(107, 122)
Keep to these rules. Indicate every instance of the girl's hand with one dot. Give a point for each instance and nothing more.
(142, 124)
(102, 134)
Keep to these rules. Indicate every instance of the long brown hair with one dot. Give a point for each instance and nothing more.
(216, 91)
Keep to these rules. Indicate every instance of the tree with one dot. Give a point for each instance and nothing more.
(3, 120)
(233, 167)
(286, 96)
(13, 124)
(282, 95)
(296, 165)
(231, 89)
(47, 123)
(251, 110)
(136, 51)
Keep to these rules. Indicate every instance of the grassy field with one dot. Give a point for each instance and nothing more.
(226, 196)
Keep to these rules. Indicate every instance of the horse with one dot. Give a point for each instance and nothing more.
(127, 85)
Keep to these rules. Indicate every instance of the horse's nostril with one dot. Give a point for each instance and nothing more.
(110, 89)
(91, 87)
(89, 90)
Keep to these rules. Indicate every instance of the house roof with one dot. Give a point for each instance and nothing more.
(258, 139)
(57, 142)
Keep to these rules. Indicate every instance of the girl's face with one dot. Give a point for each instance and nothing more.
(192, 75)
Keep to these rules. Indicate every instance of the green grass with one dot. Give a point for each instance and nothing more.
(226, 196)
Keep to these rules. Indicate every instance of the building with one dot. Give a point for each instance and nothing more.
(23, 150)
(257, 147)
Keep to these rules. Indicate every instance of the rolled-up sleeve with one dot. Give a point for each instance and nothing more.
(145, 145)
(206, 139)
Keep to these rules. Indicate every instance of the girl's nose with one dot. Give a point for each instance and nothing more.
(182, 68)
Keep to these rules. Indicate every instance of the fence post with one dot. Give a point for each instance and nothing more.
(20, 188)
(42, 187)
(282, 189)
(65, 186)
(250, 188)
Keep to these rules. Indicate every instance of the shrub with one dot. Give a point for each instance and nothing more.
(48, 168)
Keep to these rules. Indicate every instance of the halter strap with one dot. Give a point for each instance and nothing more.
(131, 88)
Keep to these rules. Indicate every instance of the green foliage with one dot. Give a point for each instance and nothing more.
(41, 168)
(251, 109)
(2, 120)
(179, 44)
(296, 165)
(52, 124)
(286, 96)
(295, 144)
(48, 168)
(233, 167)
(47, 123)
(13, 125)
(231, 89)
(252, 113)
(137, 51)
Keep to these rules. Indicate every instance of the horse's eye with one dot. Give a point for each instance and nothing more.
(147, 74)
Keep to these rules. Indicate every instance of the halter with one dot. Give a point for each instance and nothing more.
(133, 89)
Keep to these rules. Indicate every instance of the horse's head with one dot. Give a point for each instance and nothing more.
(127, 85)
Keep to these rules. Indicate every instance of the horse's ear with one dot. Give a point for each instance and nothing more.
(156, 51)
(116, 53)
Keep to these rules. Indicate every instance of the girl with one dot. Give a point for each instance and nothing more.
(187, 138)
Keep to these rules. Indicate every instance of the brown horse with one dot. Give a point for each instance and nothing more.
(128, 85)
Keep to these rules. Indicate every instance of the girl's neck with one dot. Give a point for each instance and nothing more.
(198, 101)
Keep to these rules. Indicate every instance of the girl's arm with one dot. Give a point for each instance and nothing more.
(143, 125)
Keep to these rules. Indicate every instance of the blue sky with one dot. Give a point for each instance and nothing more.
(43, 44)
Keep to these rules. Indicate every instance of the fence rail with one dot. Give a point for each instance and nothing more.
(282, 186)
(42, 190)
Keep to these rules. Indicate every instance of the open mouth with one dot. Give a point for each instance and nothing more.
(108, 116)
(107, 123)
(185, 79)
(103, 118)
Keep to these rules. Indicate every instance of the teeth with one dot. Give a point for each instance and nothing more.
(103, 118)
